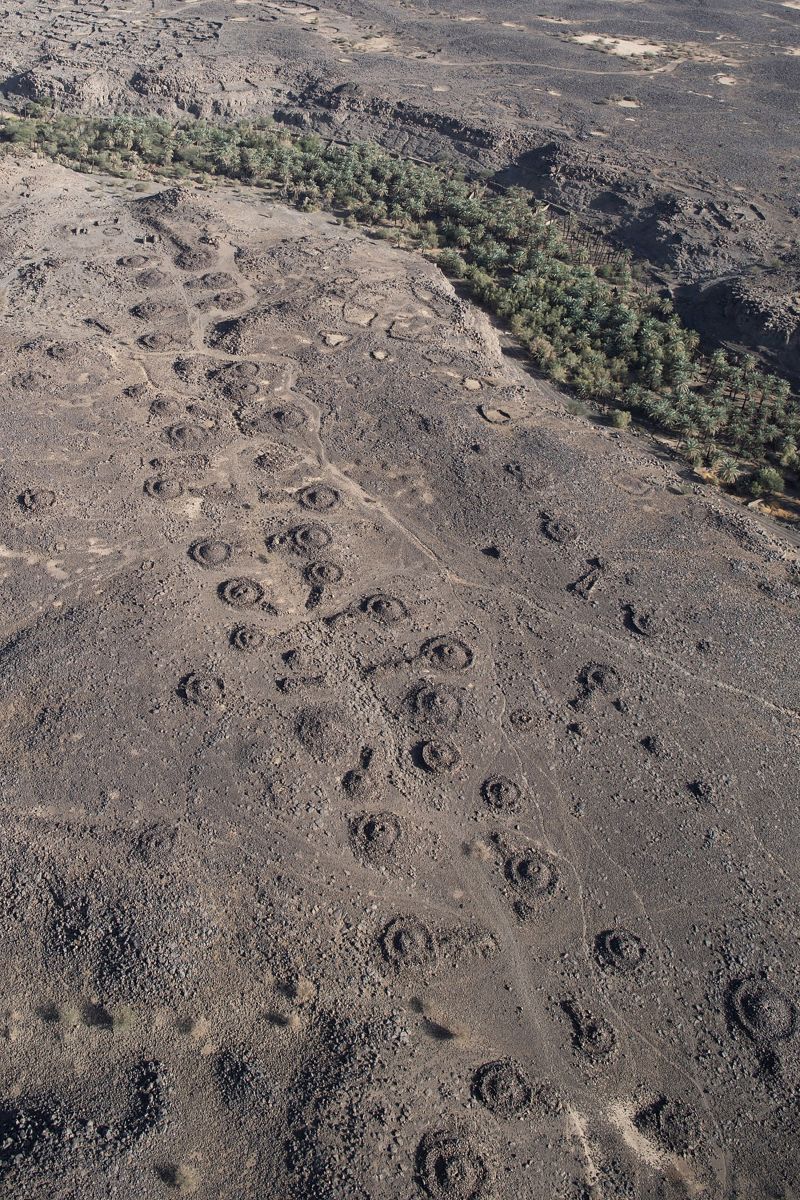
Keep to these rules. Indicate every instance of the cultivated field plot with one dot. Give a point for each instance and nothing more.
(399, 771)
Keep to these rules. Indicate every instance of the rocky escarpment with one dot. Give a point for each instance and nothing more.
(754, 311)
(353, 113)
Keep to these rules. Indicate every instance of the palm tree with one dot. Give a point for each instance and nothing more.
(693, 452)
(726, 470)
(789, 454)
(717, 366)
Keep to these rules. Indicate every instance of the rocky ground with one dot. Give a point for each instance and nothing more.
(398, 769)
(670, 127)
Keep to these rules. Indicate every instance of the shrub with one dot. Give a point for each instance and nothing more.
(766, 482)
(452, 263)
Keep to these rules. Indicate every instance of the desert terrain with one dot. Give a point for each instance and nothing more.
(670, 127)
(399, 763)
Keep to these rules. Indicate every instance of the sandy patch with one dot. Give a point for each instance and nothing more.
(357, 314)
(726, 80)
(340, 29)
(372, 44)
(633, 48)
(299, 10)
(672, 1166)
(289, 10)
(620, 47)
